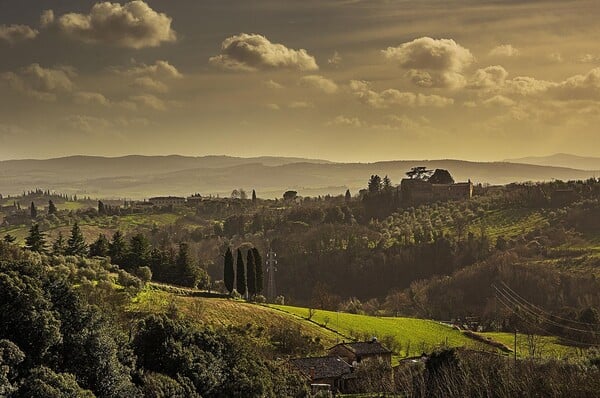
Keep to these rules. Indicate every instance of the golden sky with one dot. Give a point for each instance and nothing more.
(345, 80)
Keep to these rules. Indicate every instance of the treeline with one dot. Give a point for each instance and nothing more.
(169, 264)
(58, 340)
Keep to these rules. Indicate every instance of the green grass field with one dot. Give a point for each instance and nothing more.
(542, 346)
(412, 335)
(508, 222)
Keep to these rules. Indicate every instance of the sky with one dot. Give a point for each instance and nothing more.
(344, 80)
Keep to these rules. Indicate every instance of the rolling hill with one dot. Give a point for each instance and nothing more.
(137, 177)
(561, 160)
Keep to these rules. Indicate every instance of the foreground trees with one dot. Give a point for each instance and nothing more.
(53, 343)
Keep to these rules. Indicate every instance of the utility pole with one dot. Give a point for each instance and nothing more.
(271, 269)
(515, 348)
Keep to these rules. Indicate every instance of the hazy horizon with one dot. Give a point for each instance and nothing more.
(343, 80)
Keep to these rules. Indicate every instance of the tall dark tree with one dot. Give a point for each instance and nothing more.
(258, 265)
(240, 275)
(253, 196)
(59, 246)
(387, 183)
(36, 240)
(76, 245)
(374, 184)
(100, 247)
(101, 207)
(348, 196)
(33, 210)
(228, 273)
(139, 251)
(117, 248)
(250, 273)
(51, 207)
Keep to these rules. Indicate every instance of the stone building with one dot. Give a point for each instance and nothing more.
(167, 201)
(415, 191)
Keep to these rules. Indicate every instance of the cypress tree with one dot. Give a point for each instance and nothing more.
(258, 267)
(348, 196)
(253, 196)
(76, 244)
(250, 273)
(228, 273)
(99, 247)
(59, 246)
(117, 248)
(33, 210)
(240, 277)
(51, 207)
(36, 240)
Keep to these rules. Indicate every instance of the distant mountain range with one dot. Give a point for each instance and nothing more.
(143, 176)
(561, 160)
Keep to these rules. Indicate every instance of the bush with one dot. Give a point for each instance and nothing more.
(144, 273)
(127, 280)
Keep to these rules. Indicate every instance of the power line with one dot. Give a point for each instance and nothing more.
(541, 317)
(575, 342)
(542, 310)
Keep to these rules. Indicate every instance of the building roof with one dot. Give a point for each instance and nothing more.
(322, 367)
(372, 347)
(167, 197)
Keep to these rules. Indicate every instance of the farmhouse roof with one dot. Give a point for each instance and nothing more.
(372, 347)
(322, 367)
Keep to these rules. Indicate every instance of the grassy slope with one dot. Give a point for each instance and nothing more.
(420, 334)
(225, 312)
(331, 327)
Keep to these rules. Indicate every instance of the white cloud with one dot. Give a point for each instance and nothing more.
(393, 97)
(146, 83)
(273, 107)
(319, 82)
(488, 78)
(132, 25)
(149, 101)
(160, 69)
(86, 97)
(13, 34)
(433, 54)
(39, 82)
(86, 124)
(499, 100)
(589, 59)
(432, 62)
(252, 52)
(273, 84)
(504, 50)
(579, 87)
(346, 121)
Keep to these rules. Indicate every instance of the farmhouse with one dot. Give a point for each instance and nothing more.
(424, 190)
(359, 351)
(330, 370)
(167, 201)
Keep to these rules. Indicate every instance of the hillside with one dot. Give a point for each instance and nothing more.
(405, 336)
(143, 176)
(561, 160)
